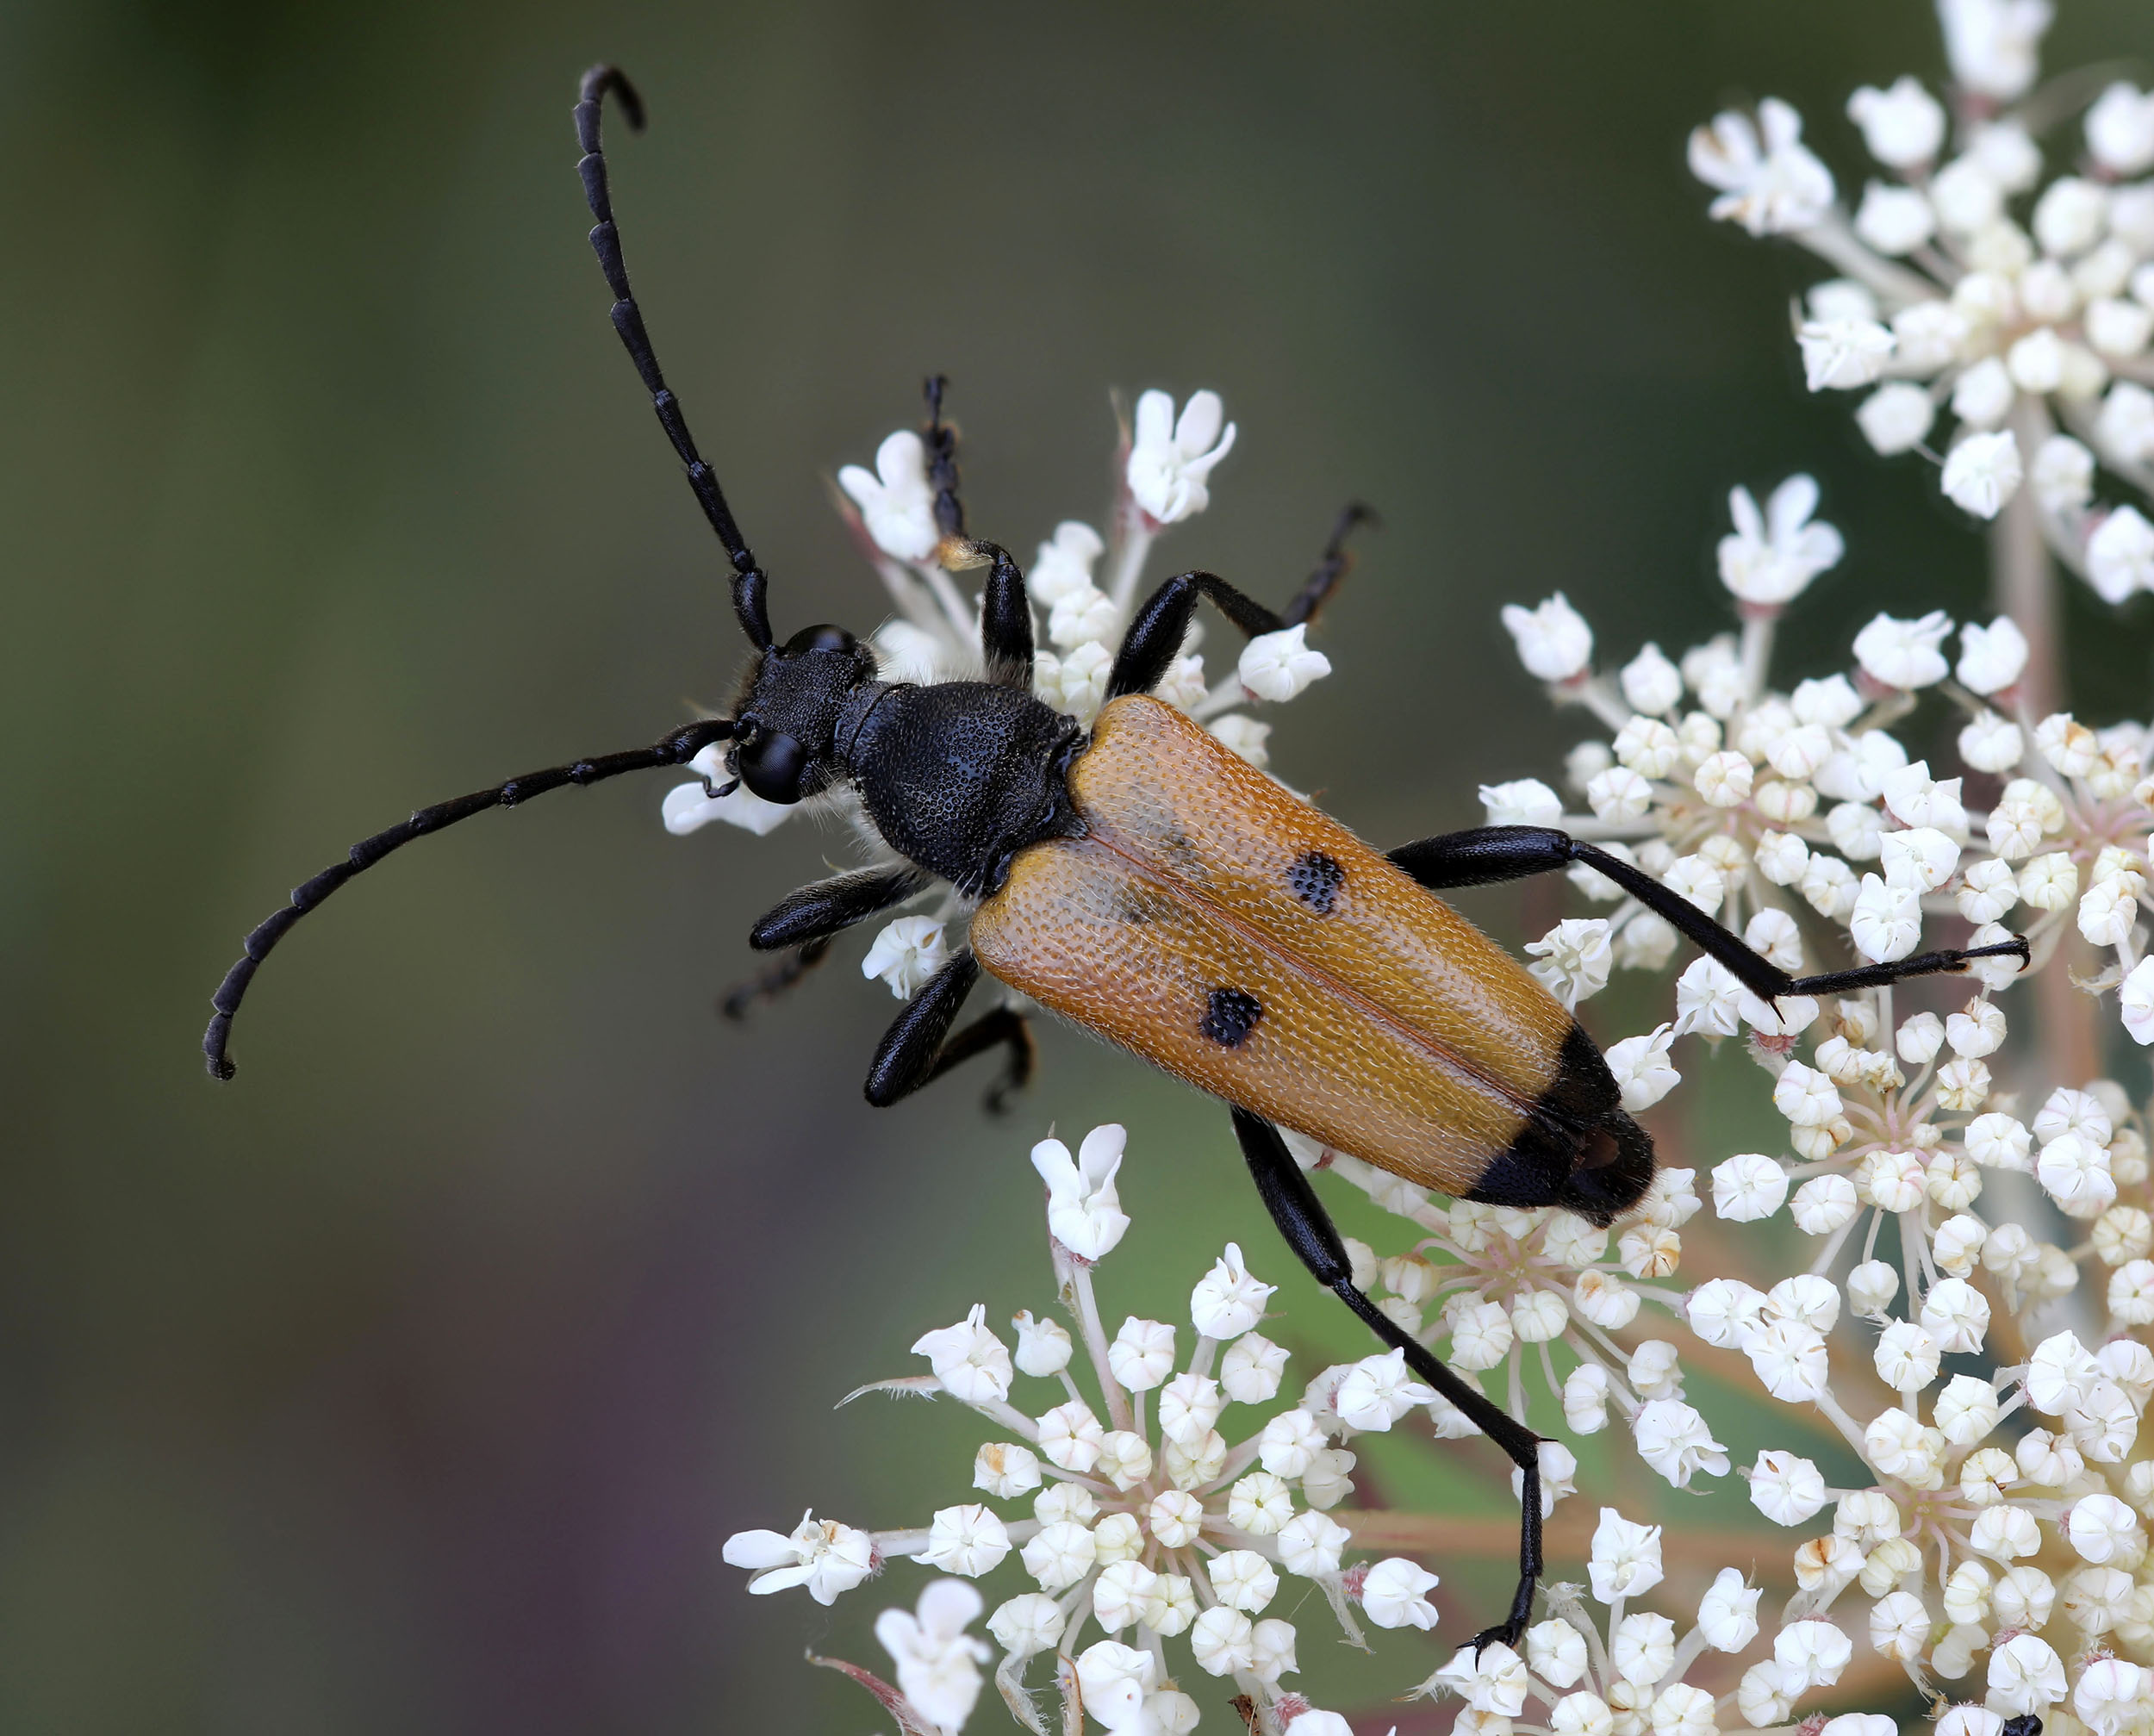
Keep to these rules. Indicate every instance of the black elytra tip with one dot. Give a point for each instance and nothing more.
(1230, 1016)
(1315, 879)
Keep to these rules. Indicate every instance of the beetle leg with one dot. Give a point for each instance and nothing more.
(905, 1060)
(1004, 1028)
(831, 907)
(1332, 565)
(1006, 622)
(1309, 1232)
(769, 984)
(1489, 854)
(1154, 638)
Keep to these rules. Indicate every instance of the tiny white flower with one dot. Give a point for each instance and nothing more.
(1243, 736)
(1768, 181)
(1027, 1624)
(1672, 1438)
(2120, 129)
(1982, 472)
(1771, 558)
(1651, 683)
(2064, 475)
(1903, 127)
(1311, 1544)
(1227, 1301)
(2120, 555)
(1553, 641)
(1555, 1652)
(1277, 666)
(1574, 959)
(896, 503)
(1643, 1069)
(1625, 1560)
(906, 954)
(2124, 427)
(970, 1361)
(1142, 1354)
(1896, 417)
(1249, 1372)
(1243, 1579)
(1522, 802)
(1993, 44)
(1064, 564)
(937, 1662)
(1749, 1187)
(1082, 615)
(824, 1556)
(1083, 1210)
(1991, 658)
(1170, 460)
(1492, 1681)
(1077, 683)
(1904, 653)
(1840, 355)
(1060, 1554)
(1585, 1390)
(1377, 1392)
(1887, 921)
(968, 1539)
(689, 807)
(2026, 1675)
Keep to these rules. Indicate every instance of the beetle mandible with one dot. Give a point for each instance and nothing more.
(1145, 884)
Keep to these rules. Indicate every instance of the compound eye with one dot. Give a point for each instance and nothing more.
(825, 637)
(774, 767)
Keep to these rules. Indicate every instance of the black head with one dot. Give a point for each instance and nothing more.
(785, 723)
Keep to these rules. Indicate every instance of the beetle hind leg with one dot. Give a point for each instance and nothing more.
(1309, 1232)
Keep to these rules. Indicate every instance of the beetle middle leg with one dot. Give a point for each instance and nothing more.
(1332, 566)
(1309, 1232)
(769, 984)
(1487, 855)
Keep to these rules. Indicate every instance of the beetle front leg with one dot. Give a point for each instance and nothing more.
(1309, 1232)
(1487, 855)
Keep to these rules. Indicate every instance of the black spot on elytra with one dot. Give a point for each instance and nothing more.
(1230, 1016)
(1315, 879)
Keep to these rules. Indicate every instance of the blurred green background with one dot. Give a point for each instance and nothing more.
(413, 1381)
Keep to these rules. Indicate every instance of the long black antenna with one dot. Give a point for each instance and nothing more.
(749, 582)
(677, 748)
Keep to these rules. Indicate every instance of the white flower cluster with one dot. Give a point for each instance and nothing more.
(934, 635)
(1970, 1304)
(1128, 1506)
(1756, 804)
(1966, 283)
(1626, 1672)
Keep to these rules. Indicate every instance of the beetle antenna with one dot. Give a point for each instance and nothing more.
(749, 581)
(677, 748)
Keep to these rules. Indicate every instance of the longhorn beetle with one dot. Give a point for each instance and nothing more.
(1147, 885)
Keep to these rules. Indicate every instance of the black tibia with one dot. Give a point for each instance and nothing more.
(904, 1061)
(749, 583)
(1006, 622)
(1309, 1231)
(1332, 566)
(941, 441)
(831, 907)
(1154, 638)
(1489, 854)
(677, 748)
(769, 984)
(1004, 1028)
